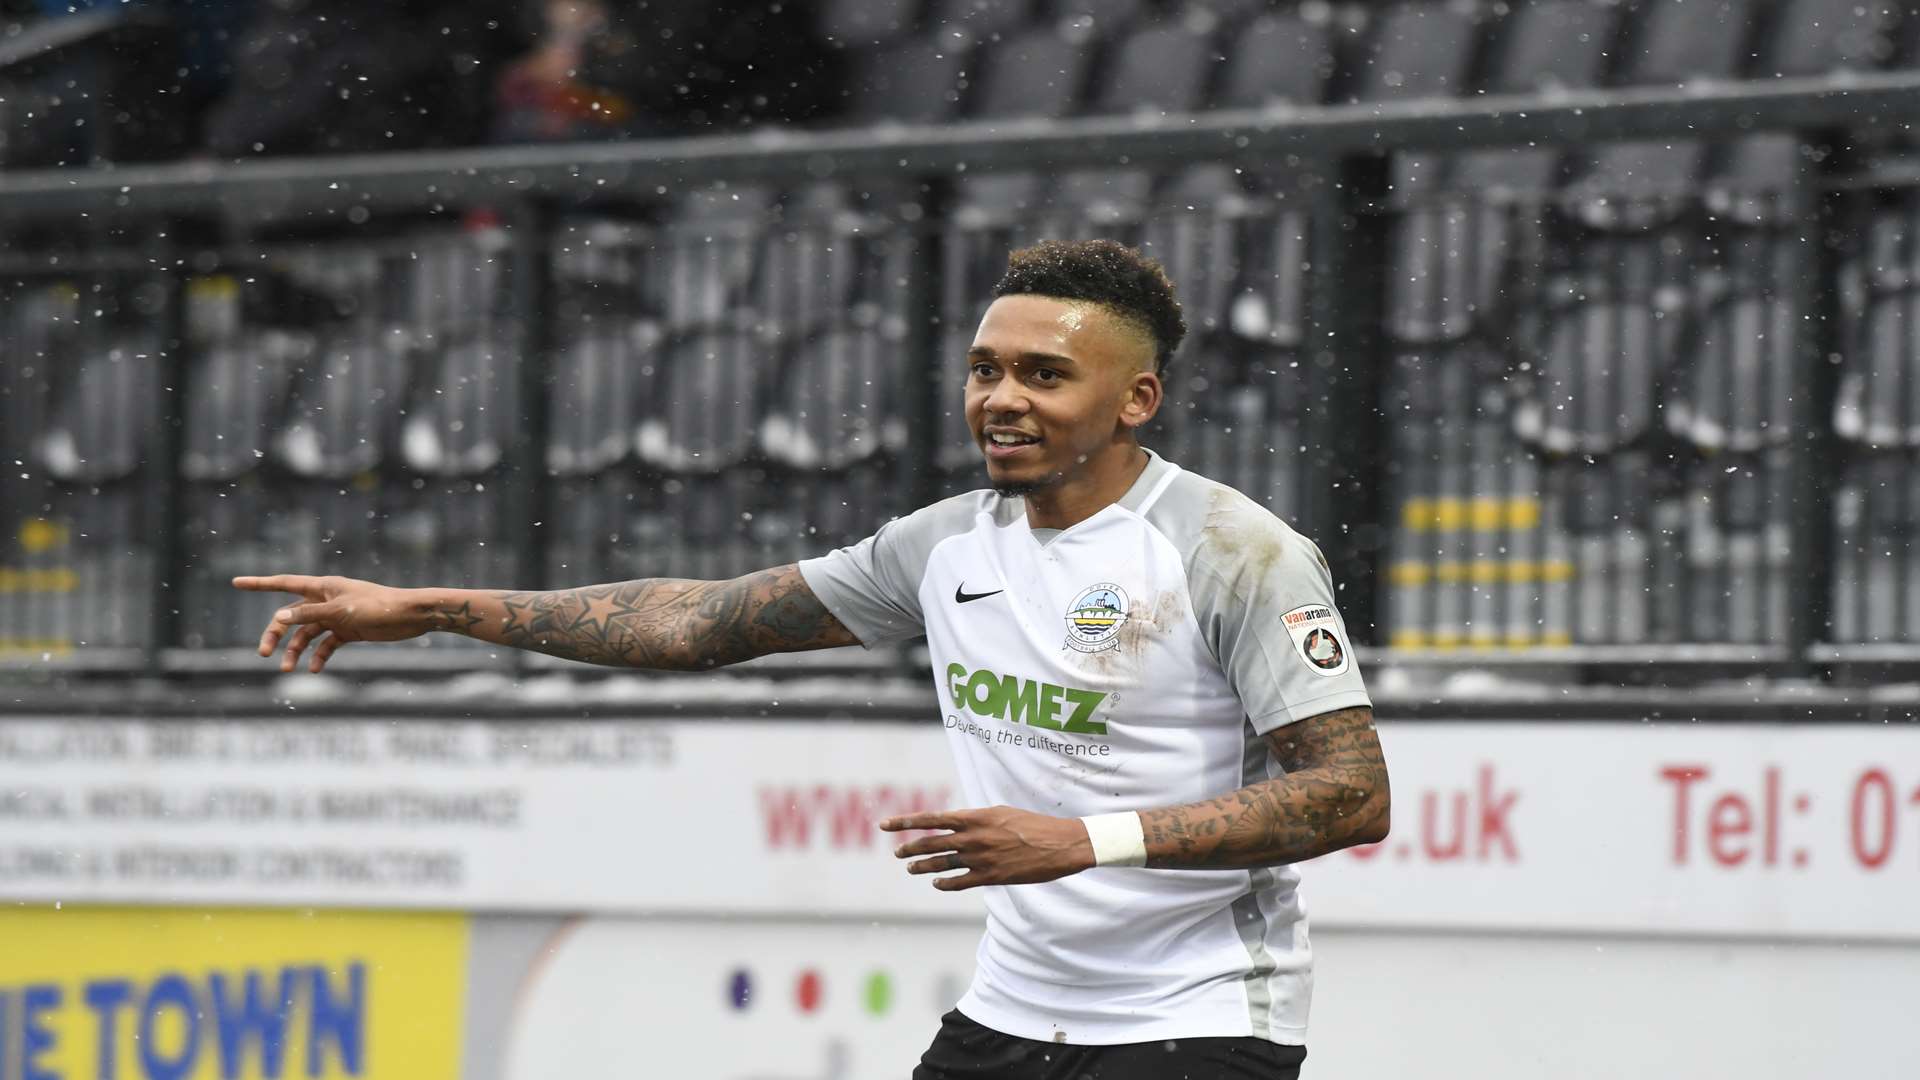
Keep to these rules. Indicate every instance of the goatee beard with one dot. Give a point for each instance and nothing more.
(1020, 489)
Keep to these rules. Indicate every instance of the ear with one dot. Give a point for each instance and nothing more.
(1143, 396)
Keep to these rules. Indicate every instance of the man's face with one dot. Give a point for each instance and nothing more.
(1051, 385)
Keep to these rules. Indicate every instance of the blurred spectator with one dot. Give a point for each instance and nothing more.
(651, 67)
(328, 76)
(542, 97)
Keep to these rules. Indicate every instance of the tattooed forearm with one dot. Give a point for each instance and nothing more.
(453, 620)
(1334, 795)
(660, 623)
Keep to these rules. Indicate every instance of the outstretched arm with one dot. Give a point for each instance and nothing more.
(659, 623)
(1335, 795)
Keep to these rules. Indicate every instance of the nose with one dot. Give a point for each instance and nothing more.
(1006, 397)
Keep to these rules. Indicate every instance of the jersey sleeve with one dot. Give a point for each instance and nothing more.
(873, 587)
(1265, 601)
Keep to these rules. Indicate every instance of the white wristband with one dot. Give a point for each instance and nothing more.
(1118, 839)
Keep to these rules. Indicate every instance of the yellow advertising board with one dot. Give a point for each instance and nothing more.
(172, 994)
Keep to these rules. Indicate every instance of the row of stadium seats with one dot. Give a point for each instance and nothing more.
(986, 60)
(932, 61)
(1599, 452)
(1620, 327)
(991, 61)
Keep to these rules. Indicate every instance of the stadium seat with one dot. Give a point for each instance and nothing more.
(1538, 48)
(1453, 259)
(866, 23)
(1098, 18)
(1277, 60)
(1876, 553)
(958, 457)
(1194, 232)
(1267, 303)
(463, 422)
(338, 439)
(1227, 12)
(1036, 75)
(600, 371)
(1881, 387)
(94, 449)
(1876, 514)
(447, 281)
(1415, 50)
(238, 386)
(918, 80)
(1806, 38)
(833, 261)
(1818, 37)
(1234, 238)
(103, 414)
(1456, 248)
(1424, 51)
(1233, 413)
(838, 402)
(712, 387)
(704, 258)
(981, 20)
(236, 391)
(1601, 515)
(1739, 549)
(1879, 398)
(445, 511)
(603, 366)
(1735, 391)
(1597, 374)
(346, 408)
(1475, 559)
(1637, 184)
(1200, 373)
(696, 526)
(1160, 68)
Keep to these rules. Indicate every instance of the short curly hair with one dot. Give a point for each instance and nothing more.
(1102, 272)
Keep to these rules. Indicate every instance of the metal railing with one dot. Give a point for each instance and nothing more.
(1519, 428)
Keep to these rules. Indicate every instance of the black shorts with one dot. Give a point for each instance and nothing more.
(964, 1050)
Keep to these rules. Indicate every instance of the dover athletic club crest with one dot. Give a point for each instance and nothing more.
(1094, 620)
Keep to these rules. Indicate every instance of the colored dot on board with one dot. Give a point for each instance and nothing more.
(879, 993)
(740, 989)
(807, 991)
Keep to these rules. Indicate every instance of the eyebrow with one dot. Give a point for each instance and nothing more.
(1049, 359)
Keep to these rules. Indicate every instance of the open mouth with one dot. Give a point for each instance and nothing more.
(1006, 444)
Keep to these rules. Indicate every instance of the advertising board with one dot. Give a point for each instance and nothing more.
(131, 994)
(1759, 830)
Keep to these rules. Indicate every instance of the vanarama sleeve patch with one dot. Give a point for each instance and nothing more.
(1316, 637)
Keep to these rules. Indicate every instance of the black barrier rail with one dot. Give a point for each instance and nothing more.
(1542, 424)
(590, 172)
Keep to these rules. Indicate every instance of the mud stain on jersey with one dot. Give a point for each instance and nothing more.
(1241, 532)
(1147, 621)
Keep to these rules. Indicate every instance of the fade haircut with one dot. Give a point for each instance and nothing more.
(1102, 272)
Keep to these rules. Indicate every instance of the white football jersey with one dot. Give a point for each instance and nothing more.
(1132, 661)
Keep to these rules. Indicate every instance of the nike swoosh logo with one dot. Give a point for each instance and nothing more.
(962, 596)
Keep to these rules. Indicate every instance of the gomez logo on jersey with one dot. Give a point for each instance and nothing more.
(1316, 634)
(1094, 620)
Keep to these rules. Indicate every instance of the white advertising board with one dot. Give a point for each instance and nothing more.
(1797, 831)
(788, 999)
(737, 1000)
